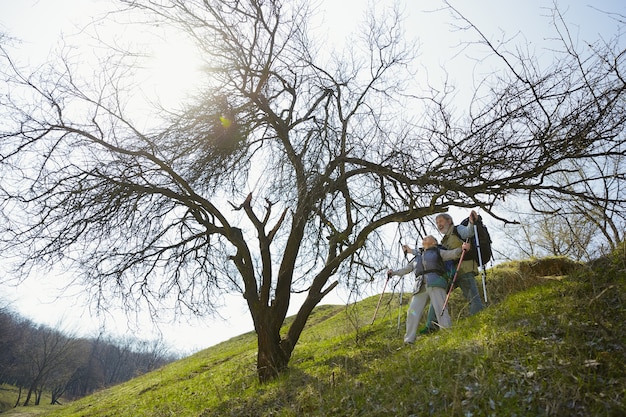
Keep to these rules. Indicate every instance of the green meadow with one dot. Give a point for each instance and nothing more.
(550, 343)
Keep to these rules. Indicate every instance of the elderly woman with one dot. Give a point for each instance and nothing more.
(429, 283)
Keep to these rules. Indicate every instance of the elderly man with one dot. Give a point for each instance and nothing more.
(469, 268)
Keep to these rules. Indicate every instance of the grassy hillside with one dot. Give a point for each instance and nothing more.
(551, 343)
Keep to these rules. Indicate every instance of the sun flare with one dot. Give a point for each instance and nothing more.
(173, 71)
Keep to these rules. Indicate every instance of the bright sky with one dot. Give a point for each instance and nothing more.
(41, 23)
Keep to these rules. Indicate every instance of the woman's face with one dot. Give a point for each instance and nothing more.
(428, 242)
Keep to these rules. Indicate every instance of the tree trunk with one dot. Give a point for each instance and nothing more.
(19, 397)
(272, 354)
(57, 392)
(31, 389)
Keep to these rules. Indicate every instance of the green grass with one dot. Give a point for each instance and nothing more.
(551, 343)
(8, 395)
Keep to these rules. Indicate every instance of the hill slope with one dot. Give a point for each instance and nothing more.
(550, 344)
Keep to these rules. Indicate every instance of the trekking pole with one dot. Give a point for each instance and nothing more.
(401, 290)
(445, 304)
(480, 262)
(381, 297)
(481, 265)
(400, 303)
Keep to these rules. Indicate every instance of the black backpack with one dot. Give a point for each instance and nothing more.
(484, 240)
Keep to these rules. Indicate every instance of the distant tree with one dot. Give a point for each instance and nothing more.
(12, 331)
(87, 377)
(282, 175)
(586, 226)
(61, 376)
(124, 358)
(150, 355)
(583, 227)
(106, 361)
(15, 334)
(49, 352)
(551, 234)
(42, 359)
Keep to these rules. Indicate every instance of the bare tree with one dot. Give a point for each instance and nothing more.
(286, 168)
(581, 229)
(13, 330)
(50, 352)
(552, 234)
(68, 365)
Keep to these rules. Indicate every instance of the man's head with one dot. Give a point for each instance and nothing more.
(444, 222)
(429, 242)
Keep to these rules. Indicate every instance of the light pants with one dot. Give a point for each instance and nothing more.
(437, 296)
(468, 285)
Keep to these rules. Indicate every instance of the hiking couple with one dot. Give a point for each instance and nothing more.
(430, 283)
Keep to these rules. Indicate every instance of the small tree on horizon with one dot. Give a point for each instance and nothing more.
(283, 172)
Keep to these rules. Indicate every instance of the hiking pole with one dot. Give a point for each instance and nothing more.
(480, 262)
(400, 303)
(401, 288)
(381, 297)
(445, 304)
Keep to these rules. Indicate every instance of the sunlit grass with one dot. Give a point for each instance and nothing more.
(547, 345)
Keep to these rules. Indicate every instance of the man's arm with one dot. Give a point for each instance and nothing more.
(467, 231)
(454, 254)
(450, 254)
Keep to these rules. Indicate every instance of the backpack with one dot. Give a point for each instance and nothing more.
(484, 240)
